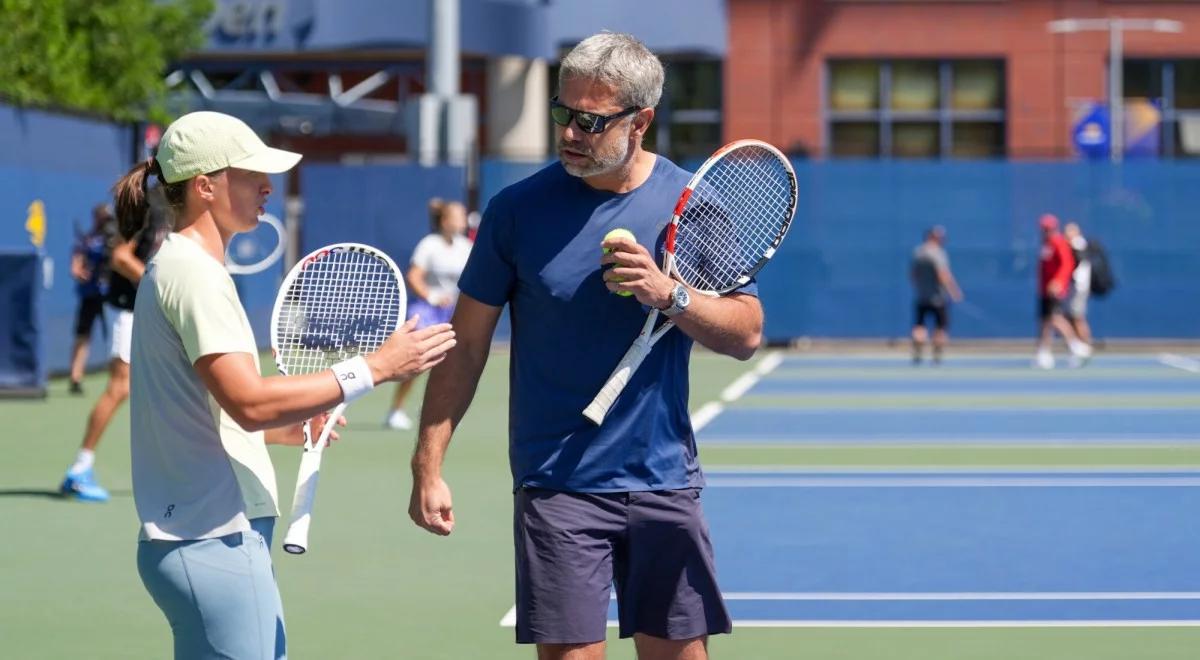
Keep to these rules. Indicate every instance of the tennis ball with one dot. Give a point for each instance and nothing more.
(619, 232)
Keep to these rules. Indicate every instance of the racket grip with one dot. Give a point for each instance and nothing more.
(296, 540)
(600, 405)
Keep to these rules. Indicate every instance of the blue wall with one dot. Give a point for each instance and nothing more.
(843, 270)
(386, 206)
(841, 273)
(69, 163)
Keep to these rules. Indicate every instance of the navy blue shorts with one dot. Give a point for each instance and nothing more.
(941, 315)
(651, 548)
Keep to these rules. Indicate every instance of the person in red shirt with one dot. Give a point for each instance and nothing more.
(1054, 279)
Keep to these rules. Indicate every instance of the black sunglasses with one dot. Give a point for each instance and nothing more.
(588, 122)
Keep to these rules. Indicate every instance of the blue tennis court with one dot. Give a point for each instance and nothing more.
(937, 547)
(925, 383)
(1128, 400)
(932, 425)
(966, 548)
(956, 546)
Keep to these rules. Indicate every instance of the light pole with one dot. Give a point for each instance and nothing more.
(1116, 85)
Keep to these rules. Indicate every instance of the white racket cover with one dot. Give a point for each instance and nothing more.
(728, 222)
(338, 302)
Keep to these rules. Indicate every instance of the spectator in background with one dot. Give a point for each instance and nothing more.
(932, 284)
(432, 278)
(1054, 279)
(1081, 283)
(89, 267)
(127, 264)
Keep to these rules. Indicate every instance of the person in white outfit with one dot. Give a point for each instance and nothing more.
(1081, 283)
(437, 262)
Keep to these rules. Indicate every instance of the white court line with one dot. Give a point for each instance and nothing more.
(868, 623)
(705, 414)
(999, 442)
(867, 470)
(1085, 623)
(965, 595)
(952, 482)
(509, 620)
(734, 391)
(743, 383)
(1180, 362)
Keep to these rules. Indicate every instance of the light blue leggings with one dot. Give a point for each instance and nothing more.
(219, 595)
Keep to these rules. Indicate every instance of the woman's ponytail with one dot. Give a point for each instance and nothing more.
(131, 197)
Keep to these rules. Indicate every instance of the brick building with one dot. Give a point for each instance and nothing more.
(956, 78)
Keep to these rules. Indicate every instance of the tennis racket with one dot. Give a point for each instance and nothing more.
(338, 302)
(256, 250)
(728, 222)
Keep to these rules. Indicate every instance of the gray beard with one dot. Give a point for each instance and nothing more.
(600, 164)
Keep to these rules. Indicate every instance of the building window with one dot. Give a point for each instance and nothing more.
(1174, 85)
(915, 108)
(689, 115)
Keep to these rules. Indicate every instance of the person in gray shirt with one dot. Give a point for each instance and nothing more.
(932, 284)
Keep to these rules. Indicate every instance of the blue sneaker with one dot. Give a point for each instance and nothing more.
(83, 487)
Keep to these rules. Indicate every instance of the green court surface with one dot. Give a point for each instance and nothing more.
(375, 586)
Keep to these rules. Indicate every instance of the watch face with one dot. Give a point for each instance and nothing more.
(682, 297)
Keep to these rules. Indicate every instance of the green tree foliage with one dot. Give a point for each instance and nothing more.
(101, 56)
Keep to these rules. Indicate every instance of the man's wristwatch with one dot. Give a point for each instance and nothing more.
(680, 298)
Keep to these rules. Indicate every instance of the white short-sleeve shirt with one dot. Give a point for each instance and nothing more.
(442, 262)
(196, 473)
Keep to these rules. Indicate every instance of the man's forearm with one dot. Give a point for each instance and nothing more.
(730, 326)
(449, 393)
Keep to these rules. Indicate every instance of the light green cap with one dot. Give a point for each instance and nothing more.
(203, 142)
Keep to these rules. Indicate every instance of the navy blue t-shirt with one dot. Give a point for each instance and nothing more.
(538, 250)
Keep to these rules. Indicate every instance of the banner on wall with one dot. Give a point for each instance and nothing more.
(1091, 129)
(1143, 123)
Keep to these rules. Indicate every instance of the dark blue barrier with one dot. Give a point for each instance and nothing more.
(69, 163)
(22, 356)
(843, 271)
(386, 206)
(383, 205)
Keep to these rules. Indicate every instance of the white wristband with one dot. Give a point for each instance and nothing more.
(354, 376)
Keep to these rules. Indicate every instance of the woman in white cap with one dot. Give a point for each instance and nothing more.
(201, 413)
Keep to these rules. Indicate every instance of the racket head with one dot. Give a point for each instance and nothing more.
(338, 302)
(731, 217)
(258, 249)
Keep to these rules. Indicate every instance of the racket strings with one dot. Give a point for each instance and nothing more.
(343, 304)
(738, 213)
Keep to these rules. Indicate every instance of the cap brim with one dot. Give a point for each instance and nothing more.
(270, 161)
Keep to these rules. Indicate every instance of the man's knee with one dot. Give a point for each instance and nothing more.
(657, 648)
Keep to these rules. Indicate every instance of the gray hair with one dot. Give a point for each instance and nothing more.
(619, 61)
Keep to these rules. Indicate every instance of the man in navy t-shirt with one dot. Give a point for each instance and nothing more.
(615, 506)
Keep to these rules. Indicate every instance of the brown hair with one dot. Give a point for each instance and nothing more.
(437, 212)
(130, 191)
(437, 206)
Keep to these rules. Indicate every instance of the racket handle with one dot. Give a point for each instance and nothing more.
(600, 405)
(296, 540)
